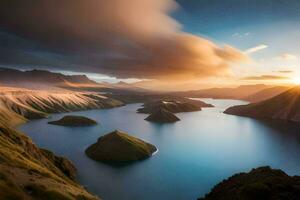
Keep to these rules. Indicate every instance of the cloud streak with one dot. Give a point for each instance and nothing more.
(124, 39)
(256, 49)
(265, 77)
(287, 56)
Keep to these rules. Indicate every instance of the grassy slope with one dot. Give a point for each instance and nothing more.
(119, 146)
(261, 183)
(28, 172)
(284, 107)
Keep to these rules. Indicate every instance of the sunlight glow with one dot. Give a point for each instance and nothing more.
(296, 80)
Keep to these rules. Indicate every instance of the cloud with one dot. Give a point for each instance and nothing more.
(256, 48)
(285, 71)
(241, 35)
(287, 56)
(124, 39)
(265, 77)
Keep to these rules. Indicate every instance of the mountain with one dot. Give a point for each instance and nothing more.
(240, 92)
(20, 104)
(285, 106)
(118, 146)
(173, 106)
(18, 77)
(30, 173)
(162, 116)
(266, 94)
(262, 183)
(72, 120)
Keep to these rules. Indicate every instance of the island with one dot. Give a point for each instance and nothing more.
(262, 183)
(174, 106)
(73, 120)
(119, 146)
(162, 116)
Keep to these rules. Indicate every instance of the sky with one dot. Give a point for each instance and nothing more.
(189, 43)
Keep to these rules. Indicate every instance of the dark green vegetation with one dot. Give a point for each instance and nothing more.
(285, 106)
(162, 116)
(28, 172)
(72, 120)
(118, 146)
(262, 183)
(173, 106)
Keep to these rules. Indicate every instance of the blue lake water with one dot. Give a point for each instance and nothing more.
(194, 154)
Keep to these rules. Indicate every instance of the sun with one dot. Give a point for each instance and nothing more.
(296, 80)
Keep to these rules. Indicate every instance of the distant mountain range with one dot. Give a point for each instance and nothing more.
(240, 92)
(13, 76)
(285, 106)
(266, 94)
(43, 79)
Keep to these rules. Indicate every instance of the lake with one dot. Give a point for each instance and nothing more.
(194, 154)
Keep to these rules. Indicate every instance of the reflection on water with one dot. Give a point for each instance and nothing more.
(194, 153)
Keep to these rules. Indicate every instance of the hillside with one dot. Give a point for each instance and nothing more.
(262, 183)
(30, 173)
(266, 94)
(285, 106)
(32, 104)
(240, 92)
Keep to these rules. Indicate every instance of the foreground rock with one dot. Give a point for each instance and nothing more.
(28, 172)
(162, 116)
(72, 120)
(173, 106)
(262, 183)
(285, 106)
(118, 146)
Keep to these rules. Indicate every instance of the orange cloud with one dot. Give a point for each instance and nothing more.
(287, 56)
(124, 39)
(265, 77)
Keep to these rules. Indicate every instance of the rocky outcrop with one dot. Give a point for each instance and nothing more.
(72, 120)
(28, 172)
(262, 183)
(162, 116)
(118, 146)
(285, 106)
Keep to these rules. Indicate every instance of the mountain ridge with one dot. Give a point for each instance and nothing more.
(285, 106)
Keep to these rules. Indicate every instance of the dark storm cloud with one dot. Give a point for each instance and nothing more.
(122, 38)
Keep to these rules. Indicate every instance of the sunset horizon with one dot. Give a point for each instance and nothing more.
(149, 100)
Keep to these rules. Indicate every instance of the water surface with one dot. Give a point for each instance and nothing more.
(194, 153)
